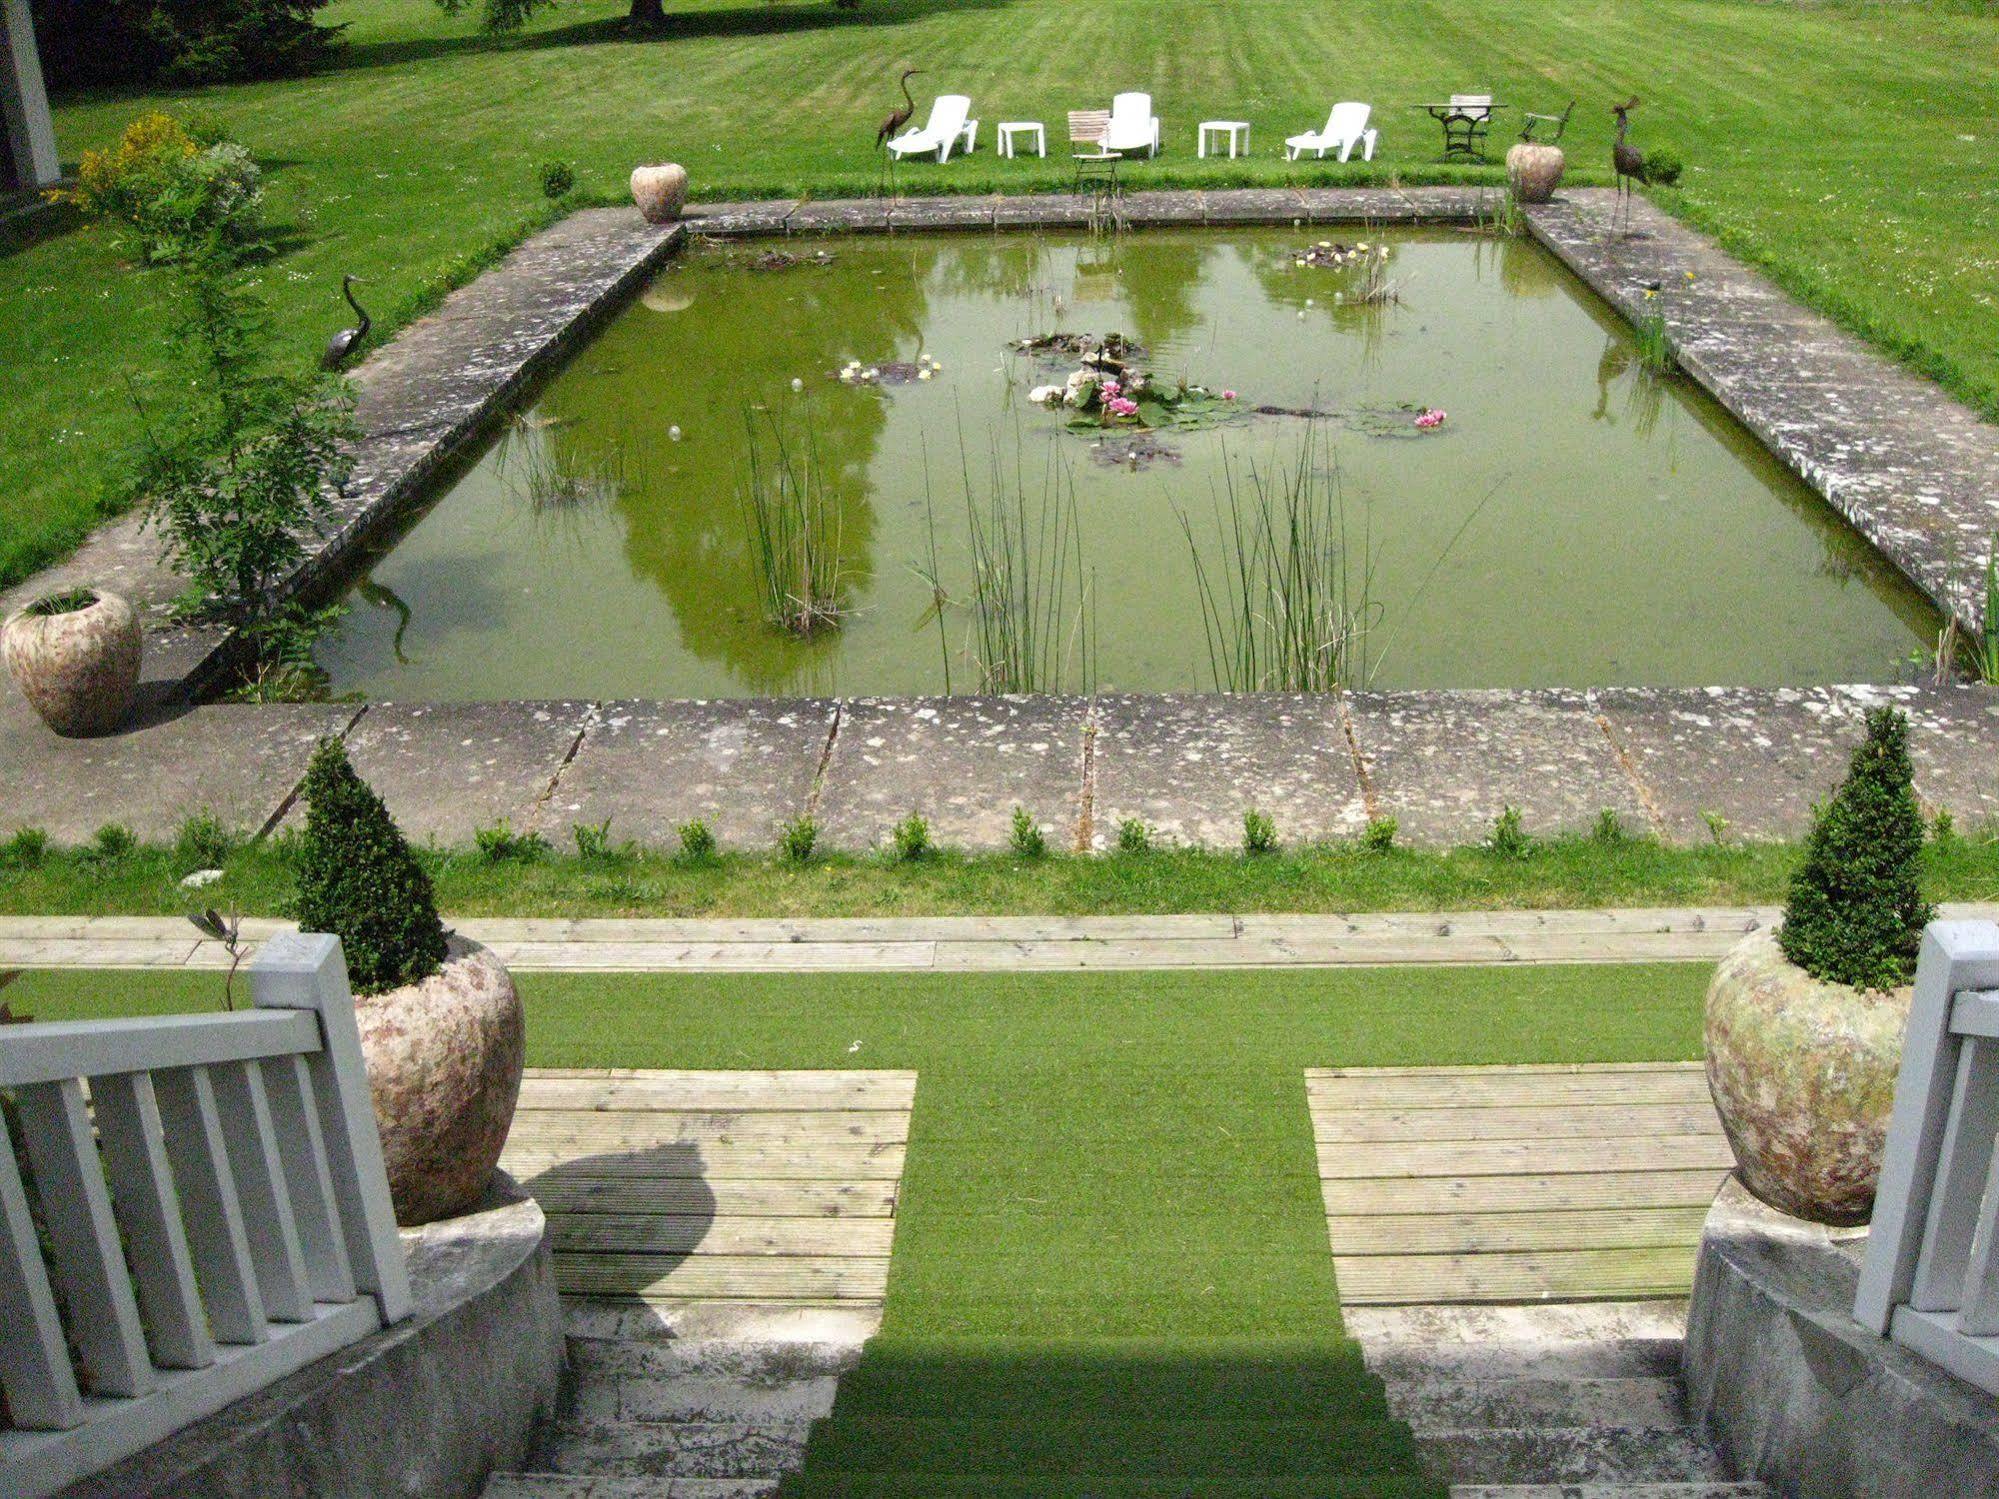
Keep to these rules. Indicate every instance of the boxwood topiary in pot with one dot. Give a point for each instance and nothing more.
(1804, 1025)
(441, 1023)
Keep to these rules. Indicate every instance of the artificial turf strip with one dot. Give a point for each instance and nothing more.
(1110, 1243)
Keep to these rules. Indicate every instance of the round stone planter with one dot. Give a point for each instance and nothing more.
(77, 669)
(1534, 171)
(1803, 1075)
(660, 191)
(444, 1065)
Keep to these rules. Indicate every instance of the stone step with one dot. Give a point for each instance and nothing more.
(1698, 1490)
(1429, 1404)
(709, 1382)
(1616, 1358)
(1572, 1455)
(655, 1322)
(675, 1449)
(575, 1486)
(769, 1363)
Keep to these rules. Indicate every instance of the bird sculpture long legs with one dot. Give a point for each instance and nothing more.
(1626, 160)
(892, 127)
(340, 348)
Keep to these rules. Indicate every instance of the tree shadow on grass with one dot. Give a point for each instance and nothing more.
(636, 1215)
(774, 17)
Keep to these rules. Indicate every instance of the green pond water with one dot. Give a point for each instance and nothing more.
(1575, 520)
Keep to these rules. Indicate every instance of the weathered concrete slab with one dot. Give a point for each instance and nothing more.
(1255, 205)
(447, 770)
(237, 762)
(1445, 764)
(1915, 471)
(964, 763)
(1191, 765)
(1756, 757)
(942, 213)
(766, 216)
(743, 766)
(839, 216)
(1161, 207)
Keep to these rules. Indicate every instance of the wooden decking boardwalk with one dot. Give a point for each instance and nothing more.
(698, 1187)
(1470, 1184)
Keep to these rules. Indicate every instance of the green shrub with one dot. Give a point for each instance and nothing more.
(912, 839)
(557, 179)
(1259, 833)
(1380, 835)
(202, 843)
(1509, 838)
(1856, 910)
(1609, 828)
(180, 42)
(1026, 837)
(172, 194)
(500, 844)
(26, 849)
(112, 841)
(359, 880)
(1663, 166)
(1943, 829)
(593, 839)
(697, 841)
(1133, 836)
(796, 840)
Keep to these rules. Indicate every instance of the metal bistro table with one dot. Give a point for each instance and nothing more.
(1465, 119)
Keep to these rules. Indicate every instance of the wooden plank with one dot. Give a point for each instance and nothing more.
(671, 1235)
(542, 1129)
(730, 1277)
(1486, 1233)
(720, 1197)
(1547, 1122)
(1523, 1157)
(1541, 1275)
(1471, 1194)
(709, 1091)
(1505, 1069)
(716, 957)
(817, 1163)
(1682, 1085)
(1620, 947)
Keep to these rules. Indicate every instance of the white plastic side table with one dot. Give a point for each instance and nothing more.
(1011, 128)
(1235, 130)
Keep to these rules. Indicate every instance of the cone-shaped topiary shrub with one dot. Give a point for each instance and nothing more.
(358, 880)
(1856, 911)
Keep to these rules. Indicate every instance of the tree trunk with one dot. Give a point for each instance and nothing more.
(648, 13)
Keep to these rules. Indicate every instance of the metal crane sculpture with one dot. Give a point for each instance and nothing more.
(1626, 160)
(340, 348)
(892, 126)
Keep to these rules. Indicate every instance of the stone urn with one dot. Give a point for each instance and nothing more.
(1534, 171)
(444, 1065)
(75, 657)
(1803, 1074)
(660, 191)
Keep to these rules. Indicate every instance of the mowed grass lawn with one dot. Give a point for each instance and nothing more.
(1848, 147)
(1111, 1267)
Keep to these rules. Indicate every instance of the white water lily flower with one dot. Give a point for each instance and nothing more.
(923, 374)
(1045, 395)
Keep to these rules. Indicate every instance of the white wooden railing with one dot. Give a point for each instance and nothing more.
(214, 1215)
(1931, 1276)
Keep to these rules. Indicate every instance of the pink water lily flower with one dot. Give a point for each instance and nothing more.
(1109, 388)
(1120, 406)
(1228, 395)
(1431, 418)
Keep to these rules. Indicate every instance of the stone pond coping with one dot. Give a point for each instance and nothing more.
(1914, 471)
(1442, 764)
(430, 1406)
(1800, 1395)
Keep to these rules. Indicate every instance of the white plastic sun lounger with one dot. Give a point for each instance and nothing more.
(1133, 127)
(946, 126)
(1346, 127)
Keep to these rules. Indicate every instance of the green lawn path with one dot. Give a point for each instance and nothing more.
(1111, 1274)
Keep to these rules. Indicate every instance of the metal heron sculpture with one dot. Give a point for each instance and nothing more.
(892, 126)
(1626, 160)
(340, 348)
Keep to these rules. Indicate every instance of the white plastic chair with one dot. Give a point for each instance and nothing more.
(1346, 127)
(946, 126)
(1133, 127)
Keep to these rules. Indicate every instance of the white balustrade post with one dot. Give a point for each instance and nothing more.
(307, 971)
(1956, 955)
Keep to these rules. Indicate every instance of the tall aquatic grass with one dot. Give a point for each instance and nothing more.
(1984, 647)
(793, 523)
(550, 478)
(1031, 608)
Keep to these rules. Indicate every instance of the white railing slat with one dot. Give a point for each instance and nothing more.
(302, 1144)
(1964, 1155)
(133, 1140)
(215, 1231)
(1975, 1014)
(300, 971)
(56, 1050)
(83, 1236)
(261, 1190)
(34, 1359)
(1978, 1307)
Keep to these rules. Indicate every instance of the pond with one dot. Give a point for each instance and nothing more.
(1572, 518)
